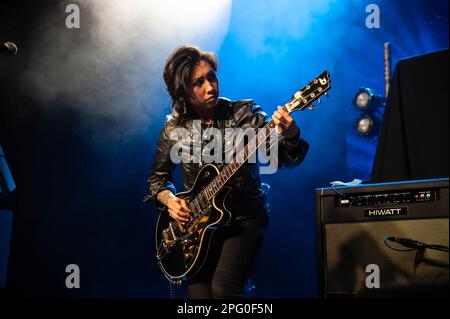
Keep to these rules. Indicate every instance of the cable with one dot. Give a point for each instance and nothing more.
(333, 187)
(412, 244)
(171, 291)
(386, 239)
(353, 183)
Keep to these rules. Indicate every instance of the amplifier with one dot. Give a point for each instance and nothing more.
(383, 239)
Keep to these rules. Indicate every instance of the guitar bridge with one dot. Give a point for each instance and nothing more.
(169, 240)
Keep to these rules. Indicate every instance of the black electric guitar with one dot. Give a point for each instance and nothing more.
(182, 250)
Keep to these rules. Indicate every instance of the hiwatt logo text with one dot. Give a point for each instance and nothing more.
(373, 212)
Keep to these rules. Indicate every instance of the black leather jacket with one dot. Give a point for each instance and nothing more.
(247, 196)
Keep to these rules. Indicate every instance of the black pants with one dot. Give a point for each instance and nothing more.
(233, 254)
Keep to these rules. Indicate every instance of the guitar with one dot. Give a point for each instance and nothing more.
(182, 250)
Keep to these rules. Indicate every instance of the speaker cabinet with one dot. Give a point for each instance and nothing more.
(356, 257)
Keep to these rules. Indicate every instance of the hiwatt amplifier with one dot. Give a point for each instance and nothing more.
(383, 240)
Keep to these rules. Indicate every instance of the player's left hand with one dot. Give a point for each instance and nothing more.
(285, 123)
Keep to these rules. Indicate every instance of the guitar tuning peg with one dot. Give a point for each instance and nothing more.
(311, 107)
(326, 94)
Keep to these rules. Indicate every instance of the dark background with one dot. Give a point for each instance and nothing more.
(80, 183)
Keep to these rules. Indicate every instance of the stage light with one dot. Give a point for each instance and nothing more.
(371, 107)
(362, 99)
(365, 125)
(367, 100)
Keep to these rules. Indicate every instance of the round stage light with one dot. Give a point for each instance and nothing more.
(364, 125)
(367, 100)
(363, 98)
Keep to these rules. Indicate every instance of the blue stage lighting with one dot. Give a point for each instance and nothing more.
(367, 100)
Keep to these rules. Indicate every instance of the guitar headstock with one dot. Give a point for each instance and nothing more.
(308, 94)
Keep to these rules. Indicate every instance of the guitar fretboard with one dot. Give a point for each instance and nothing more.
(242, 156)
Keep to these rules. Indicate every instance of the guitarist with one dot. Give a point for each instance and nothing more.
(190, 76)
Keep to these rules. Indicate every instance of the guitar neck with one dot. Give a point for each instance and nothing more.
(243, 155)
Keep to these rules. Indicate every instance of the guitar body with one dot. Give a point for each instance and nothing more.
(183, 250)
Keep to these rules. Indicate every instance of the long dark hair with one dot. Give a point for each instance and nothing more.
(177, 76)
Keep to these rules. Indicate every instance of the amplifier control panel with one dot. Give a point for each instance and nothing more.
(387, 198)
